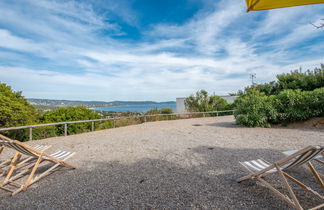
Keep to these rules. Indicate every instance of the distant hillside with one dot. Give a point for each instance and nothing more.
(64, 103)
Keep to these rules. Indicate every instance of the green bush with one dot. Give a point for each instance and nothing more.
(202, 102)
(14, 108)
(153, 111)
(297, 105)
(15, 111)
(308, 80)
(305, 81)
(296, 96)
(166, 111)
(104, 125)
(255, 109)
(127, 121)
(318, 104)
(44, 132)
(66, 114)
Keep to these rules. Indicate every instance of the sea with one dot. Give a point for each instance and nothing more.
(137, 108)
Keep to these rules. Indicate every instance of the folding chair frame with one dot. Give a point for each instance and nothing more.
(40, 157)
(292, 201)
(23, 162)
(316, 174)
(32, 169)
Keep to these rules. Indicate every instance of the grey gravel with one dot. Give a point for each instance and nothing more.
(167, 165)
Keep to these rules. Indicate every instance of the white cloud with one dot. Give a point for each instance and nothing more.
(7, 40)
(215, 50)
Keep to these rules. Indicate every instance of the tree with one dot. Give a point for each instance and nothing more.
(14, 108)
(65, 114)
(306, 81)
(201, 102)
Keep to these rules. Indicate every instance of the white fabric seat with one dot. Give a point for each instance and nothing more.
(258, 165)
(59, 154)
(290, 152)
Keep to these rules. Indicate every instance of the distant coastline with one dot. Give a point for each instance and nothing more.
(141, 108)
(114, 106)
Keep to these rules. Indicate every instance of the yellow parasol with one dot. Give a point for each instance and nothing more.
(254, 5)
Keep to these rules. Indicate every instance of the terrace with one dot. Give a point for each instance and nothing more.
(189, 163)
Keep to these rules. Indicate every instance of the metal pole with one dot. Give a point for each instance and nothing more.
(65, 129)
(30, 134)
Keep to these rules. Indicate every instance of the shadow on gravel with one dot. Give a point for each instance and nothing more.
(158, 184)
(233, 125)
(225, 125)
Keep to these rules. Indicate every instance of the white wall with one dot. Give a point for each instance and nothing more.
(180, 105)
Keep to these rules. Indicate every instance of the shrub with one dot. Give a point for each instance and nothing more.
(166, 111)
(104, 125)
(297, 105)
(305, 81)
(318, 104)
(15, 111)
(44, 132)
(127, 121)
(308, 80)
(201, 102)
(295, 96)
(153, 111)
(14, 108)
(66, 114)
(255, 109)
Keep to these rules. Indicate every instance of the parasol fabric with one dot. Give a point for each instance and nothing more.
(254, 5)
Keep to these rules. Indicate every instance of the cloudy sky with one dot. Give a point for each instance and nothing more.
(150, 49)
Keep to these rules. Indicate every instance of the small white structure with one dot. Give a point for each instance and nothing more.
(181, 108)
(180, 105)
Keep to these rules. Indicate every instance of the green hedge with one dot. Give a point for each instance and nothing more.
(255, 109)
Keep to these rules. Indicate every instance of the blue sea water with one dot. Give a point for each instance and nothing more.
(137, 108)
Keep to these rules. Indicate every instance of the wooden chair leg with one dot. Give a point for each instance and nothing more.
(23, 163)
(320, 161)
(316, 174)
(276, 192)
(303, 186)
(30, 177)
(4, 163)
(12, 167)
(291, 192)
(244, 178)
(47, 172)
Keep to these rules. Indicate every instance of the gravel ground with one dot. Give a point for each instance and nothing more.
(182, 164)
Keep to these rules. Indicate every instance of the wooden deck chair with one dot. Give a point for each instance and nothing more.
(57, 158)
(4, 165)
(259, 168)
(318, 158)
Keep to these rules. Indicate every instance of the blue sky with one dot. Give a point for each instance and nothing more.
(150, 49)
